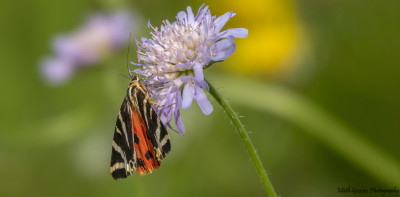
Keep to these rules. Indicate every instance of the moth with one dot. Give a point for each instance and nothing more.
(140, 140)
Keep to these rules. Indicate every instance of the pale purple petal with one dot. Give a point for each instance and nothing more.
(139, 71)
(224, 54)
(188, 94)
(237, 33)
(179, 123)
(182, 16)
(186, 78)
(143, 39)
(202, 101)
(190, 15)
(200, 15)
(221, 21)
(136, 64)
(225, 43)
(208, 21)
(204, 85)
(148, 23)
(200, 9)
(170, 98)
(178, 98)
(198, 72)
(164, 119)
(161, 80)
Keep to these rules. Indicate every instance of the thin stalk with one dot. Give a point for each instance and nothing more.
(246, 140)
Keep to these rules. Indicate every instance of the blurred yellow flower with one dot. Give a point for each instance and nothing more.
(274, 35)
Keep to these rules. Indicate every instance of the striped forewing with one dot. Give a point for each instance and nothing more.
(123, 155)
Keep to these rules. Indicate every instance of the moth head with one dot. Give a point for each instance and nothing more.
(134, 78)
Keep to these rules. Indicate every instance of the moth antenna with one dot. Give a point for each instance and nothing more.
(129, 69)
(120, 74)
(127, 54)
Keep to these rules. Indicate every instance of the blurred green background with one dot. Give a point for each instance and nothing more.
(316, 84)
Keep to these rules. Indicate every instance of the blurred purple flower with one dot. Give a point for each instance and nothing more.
(175, 56)
(99, 36)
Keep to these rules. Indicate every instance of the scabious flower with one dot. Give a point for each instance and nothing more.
(99, 36)
(174, 59)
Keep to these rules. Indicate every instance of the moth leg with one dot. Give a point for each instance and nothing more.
(148, 91)
(146, 88)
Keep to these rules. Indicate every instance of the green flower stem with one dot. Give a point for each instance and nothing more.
(316, 123)
(246, 139)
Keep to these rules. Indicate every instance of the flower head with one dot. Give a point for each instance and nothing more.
(175, 56)
(99, 36)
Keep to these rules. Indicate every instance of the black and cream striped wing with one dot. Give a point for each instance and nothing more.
(123, 155)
